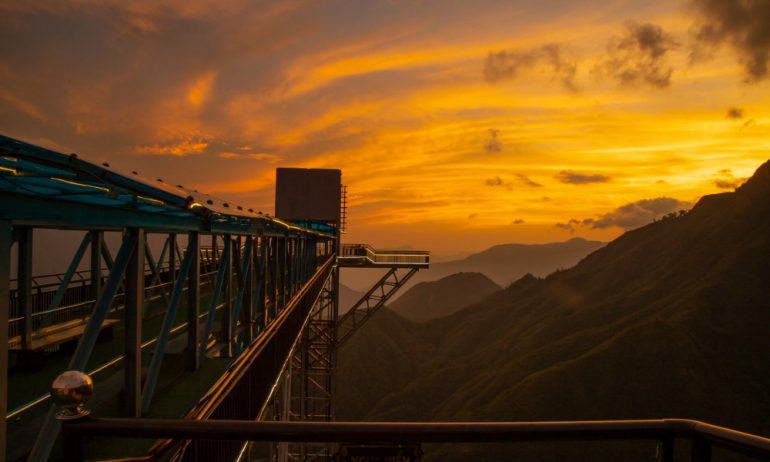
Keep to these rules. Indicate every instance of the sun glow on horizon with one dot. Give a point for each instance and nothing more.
(502, 121)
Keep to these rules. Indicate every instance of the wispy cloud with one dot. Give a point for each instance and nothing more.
(185, 145)
(726, 180)
(270, 158)
(638, 56)
(744, 25)
(571, 177)
(507, 64)
(629, 216)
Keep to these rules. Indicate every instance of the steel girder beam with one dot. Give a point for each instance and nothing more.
(168, 322)
(24, 284)
(6, 241)
(214, 298)
(372, 301)
(97, 239)
(132, 311)
(50, 428)
(192, 360)
(65, 282)
(155, 267)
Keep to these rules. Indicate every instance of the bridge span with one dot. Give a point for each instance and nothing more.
(236, 318)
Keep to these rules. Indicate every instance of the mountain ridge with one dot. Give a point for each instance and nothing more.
(665, 321)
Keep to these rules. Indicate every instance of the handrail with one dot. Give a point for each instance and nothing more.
(358, 252)
(417, 432)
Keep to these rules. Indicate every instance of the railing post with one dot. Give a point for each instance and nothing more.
(193, 302)
(134, 306)
(24, 289)
(701, 450)
(6, 241)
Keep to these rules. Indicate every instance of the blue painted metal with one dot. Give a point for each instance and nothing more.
(86, 344)
(244, 279)
(259, 290)
(168, 322)
(155, 266)
(193, 302)
(73, 266)
(54, 189)
(6, 241)
(214, 300)
(50, 428)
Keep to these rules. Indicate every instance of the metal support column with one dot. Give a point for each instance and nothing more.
(6, 241)
(261, 317)
(133, 309)
(24, 256)
(248, 290)
(172, 249)
(193, 302)
(97, 241)
(227, 312)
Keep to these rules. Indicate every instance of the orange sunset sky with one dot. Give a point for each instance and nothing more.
(457, 124)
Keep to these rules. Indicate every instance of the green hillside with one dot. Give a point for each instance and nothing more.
(669, 320)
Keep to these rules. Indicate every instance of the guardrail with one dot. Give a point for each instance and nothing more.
(702, 436)
(365, 253)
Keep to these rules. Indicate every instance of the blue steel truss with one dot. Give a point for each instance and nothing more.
(264, 265)
(41, 187)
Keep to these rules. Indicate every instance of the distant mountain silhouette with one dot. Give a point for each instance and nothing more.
(507, 262)
(669, 320)
(348, 298)
(435, 299)
(502, 263)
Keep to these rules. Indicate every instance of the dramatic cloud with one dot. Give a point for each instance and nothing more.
(506, 64)
(527, 181)
(638, 57)
(726, 180)
(570, 177)
(185, 145)
(744, 24)
(734, 113)
(498, 182)
(493, 143)
(629, 216)
(518, 221)
(270, 158)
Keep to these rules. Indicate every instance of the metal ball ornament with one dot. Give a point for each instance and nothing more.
(70, 391)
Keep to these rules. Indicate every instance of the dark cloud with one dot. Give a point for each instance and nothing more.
(744, 24)
(734, 113)
(568, 226)
(570, 177)
(629, 216)
(726, 180)
(638, 57)
(518, 221)
(527, 181)
(496, 181)
(493, 143)
(506, 64)
(472, 216)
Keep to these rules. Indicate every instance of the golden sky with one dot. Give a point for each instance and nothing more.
(457, 124)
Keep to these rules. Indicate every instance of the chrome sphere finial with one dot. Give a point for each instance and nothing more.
(70, 390)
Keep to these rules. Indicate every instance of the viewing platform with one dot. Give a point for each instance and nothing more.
(364, 256)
